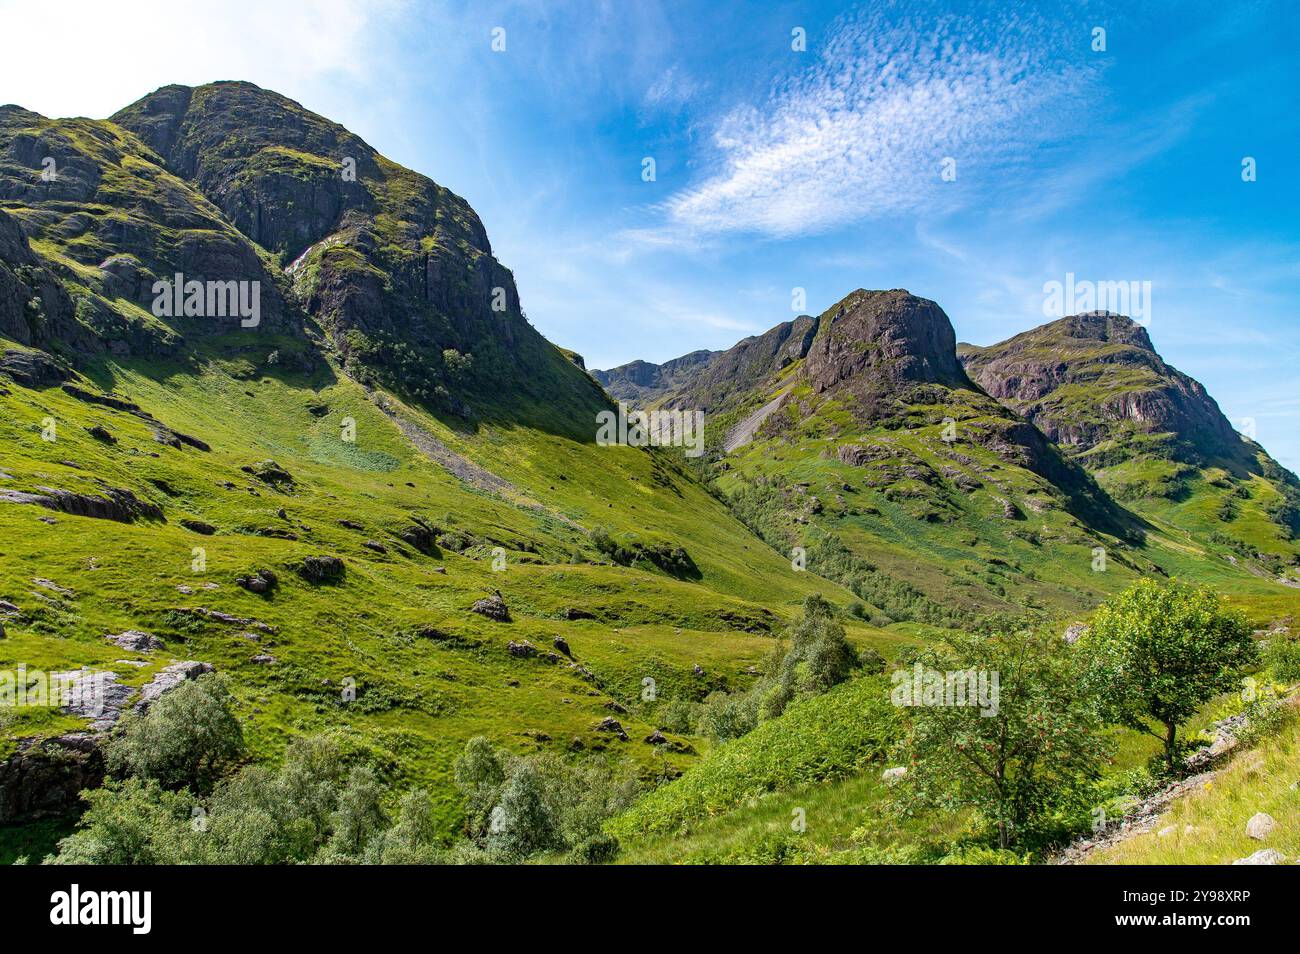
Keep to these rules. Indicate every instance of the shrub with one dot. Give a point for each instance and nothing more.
(1283, 656)
(728, 715)
(189, 737)
(820, 657)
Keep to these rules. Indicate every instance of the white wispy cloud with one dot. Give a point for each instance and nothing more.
(863, 129)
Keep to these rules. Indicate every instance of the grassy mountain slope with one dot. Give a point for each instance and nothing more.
(857, 435)
(128, 440)
(1151, 435)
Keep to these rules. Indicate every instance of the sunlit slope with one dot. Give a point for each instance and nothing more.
(429, 672)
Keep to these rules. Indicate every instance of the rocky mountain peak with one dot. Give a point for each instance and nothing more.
(1104, 326)
(876, 341)
(1092, 378)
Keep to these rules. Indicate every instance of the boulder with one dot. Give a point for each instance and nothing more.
(262, 581)
(168, 679)
(493, 607)
(1265, 856)
(560, 643)
(322, 569)
(199, 526)
(1260, 826)
(610, 724)
(269, 472)
(136, 641)
(524, 649)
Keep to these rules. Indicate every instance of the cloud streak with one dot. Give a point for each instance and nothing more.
(862, 132)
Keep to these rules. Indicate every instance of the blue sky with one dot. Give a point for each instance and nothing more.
(779, 169)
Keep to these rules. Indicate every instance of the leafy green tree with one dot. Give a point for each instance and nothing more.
(1160, 651)
(189, 737)
(130, 822)
(480, 774)
(414, 838)
(1022, 755)
(820, 657)
(523, 823)
(360, 815)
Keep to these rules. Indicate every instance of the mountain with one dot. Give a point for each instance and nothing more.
(641, 381)
(381, 267)
(1149, 433)
(369, 494)
(857, 435)
(870, 432)
(337, 495)
(1095, 378)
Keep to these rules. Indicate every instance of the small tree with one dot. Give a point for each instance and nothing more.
(820, 657)
(189, 737)
(480, 773)
(524, 822)
(1025, 751)
(1159, 652)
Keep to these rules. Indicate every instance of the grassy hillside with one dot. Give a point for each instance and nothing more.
(430, 673)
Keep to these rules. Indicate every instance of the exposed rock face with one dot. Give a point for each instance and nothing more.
(136, 641)
(156, 226)
(1091, 378)
(31, 369)
(396, 268)
(43, 779)
(878, 342)
(34, 308)
(202, 182)
(168, 679)
(116, 504)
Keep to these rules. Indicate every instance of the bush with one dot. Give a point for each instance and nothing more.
(189, 737)
(523, 823)
(312, 809)
(820, 657)
(728, 715)
(1283, 656)
(523, 806)
(822, 737)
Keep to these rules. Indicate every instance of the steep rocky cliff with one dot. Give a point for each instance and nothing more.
(1092, 378)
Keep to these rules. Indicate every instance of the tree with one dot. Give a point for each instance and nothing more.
(523, 823)
(189, 737)
(1022, 747)
(1158, 652)
(820, 657)
(480, 775)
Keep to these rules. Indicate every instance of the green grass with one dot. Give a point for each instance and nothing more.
(427, 696)
(818, 738)
(1209, 824)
